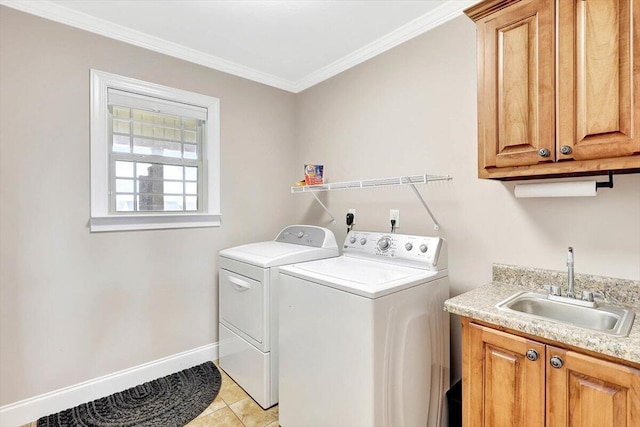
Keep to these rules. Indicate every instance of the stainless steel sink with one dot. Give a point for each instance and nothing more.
(608, 319)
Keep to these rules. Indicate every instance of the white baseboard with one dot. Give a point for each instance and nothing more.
(28, 410)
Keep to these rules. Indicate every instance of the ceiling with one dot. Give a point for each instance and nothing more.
(291, 45)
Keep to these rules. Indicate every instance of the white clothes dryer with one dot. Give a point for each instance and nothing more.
(248, 333)
(364, 339)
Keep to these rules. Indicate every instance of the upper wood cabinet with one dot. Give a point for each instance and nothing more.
(558, 87)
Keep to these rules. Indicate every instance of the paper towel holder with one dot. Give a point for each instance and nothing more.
(607, 184)
(562, 189)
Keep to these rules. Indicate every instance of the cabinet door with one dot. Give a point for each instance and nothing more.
(516, 107)
(501, 387)
(587, 391)
(598, 78)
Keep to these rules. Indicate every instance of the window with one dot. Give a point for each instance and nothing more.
(154, 156)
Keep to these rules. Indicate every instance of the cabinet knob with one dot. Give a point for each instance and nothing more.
(532, 355)
(565, 149)
(544, 152)
(556, 362)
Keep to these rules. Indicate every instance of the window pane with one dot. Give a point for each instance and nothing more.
(173, 172)
(189, 136)
(189, 124)
(142, 169)
(121, 112)
(120, 126)
(158, 132)
(156, 148)
(121, 144)
(157, 118)
(148, 130)
(124, 186)
(173, 134)
(124, 203)
(141, 129)
(190, 151)
(150, 186)
(171, 121)
(173, 203)
(172, 187)
(191, 203)
(191, 187)
(138, 114)
(190, 173)
(124, 169)
(151, 170)
(150, 202)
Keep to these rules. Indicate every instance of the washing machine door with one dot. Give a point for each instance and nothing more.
(243, 307)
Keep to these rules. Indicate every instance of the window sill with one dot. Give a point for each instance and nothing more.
(152, 222)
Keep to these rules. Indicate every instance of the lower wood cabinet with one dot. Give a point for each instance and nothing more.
(509, 380)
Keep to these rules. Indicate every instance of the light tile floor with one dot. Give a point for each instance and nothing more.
(232, 407)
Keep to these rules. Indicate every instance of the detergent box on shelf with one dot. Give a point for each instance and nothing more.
(314, 174)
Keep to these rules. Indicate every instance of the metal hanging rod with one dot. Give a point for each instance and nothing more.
(606, 184)
(333, 220)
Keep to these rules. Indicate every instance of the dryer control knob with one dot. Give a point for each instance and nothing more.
(423, 248)
(352, 239)
(408, 246)
(300, 234)
(363, 241)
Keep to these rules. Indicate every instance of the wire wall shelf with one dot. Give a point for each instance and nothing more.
(409, 180)
(371, 183)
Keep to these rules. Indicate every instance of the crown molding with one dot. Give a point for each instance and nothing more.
(83, 21)
(48, 10)
(438, 16)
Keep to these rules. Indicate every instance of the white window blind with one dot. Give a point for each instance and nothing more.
(144, 102)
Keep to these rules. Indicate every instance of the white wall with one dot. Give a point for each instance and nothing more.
(76, 306)
(412, 110)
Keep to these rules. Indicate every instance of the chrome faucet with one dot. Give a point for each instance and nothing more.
(570, 280)
(588, 297)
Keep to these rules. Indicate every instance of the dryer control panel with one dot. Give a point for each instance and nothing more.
(308, 235)
(426, 252)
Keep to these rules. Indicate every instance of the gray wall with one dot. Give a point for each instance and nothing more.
(412, 110)
(75, 305)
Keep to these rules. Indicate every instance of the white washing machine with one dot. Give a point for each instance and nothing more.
(248, 334)
(364, 339)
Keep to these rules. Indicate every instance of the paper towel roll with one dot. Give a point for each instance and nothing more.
(556, 189)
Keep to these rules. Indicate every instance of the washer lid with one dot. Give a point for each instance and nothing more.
(369, 279)
(271, 253)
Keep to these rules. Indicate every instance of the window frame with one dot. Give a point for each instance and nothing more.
(102, 219)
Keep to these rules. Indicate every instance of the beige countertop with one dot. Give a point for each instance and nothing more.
(480, 304)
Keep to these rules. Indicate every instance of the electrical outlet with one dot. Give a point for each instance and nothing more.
(395, 214)
(352, 211)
